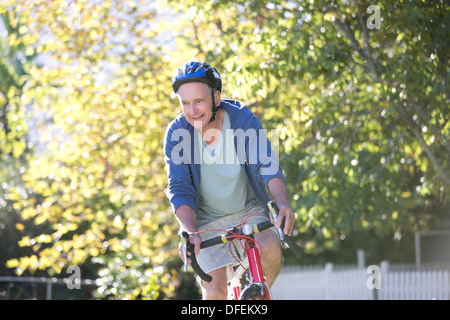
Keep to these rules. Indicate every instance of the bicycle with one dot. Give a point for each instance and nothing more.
(253, 286)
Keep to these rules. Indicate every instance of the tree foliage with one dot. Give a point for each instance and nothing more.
(14, 145)
(363, 112)
(97, 190)
(362, 115)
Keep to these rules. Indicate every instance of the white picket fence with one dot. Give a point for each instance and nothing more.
(415, 285)
(352, 283)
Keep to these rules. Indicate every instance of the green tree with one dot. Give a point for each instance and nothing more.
(362, 112)
(14, 145)
(97, 189)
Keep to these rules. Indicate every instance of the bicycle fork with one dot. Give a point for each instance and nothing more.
(256, 271)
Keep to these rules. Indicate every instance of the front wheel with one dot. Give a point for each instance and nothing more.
(253, 292)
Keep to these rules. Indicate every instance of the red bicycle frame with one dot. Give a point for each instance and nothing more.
(256, 270)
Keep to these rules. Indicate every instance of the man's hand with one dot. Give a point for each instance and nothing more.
(278, 190)
(196, 240)
(286, 213)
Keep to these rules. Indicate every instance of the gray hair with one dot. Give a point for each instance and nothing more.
(209, 90)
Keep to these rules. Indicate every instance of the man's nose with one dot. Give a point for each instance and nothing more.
(193, 108)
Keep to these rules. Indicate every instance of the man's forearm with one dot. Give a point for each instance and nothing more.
(278, 189)
(186, 218)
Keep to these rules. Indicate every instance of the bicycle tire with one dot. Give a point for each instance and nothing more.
(253, 292)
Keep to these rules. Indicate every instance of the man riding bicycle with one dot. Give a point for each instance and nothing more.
(219, 166)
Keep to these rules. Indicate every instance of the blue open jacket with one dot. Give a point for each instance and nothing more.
(252, 149)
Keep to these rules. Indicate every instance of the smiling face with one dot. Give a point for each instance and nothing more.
(196, 102)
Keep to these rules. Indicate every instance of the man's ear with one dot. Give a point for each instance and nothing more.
(217, 98)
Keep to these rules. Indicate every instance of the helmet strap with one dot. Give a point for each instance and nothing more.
(214, 109)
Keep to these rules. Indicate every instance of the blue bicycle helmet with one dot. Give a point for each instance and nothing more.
(199, 72)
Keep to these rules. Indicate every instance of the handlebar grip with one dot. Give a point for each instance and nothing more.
(195, 265)
(211, 242)
(293, 246)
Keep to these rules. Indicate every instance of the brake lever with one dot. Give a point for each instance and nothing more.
(184, 238)
(287, 241)
(273, 209)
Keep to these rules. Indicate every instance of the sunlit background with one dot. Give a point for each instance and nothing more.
(359, 97)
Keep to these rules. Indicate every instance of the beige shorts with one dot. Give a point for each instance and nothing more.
(218, 256)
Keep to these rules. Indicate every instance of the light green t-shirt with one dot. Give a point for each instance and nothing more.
(224, 189)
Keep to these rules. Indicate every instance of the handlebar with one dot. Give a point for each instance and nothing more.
(232, 234)
(286, 241)
(188, 246)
